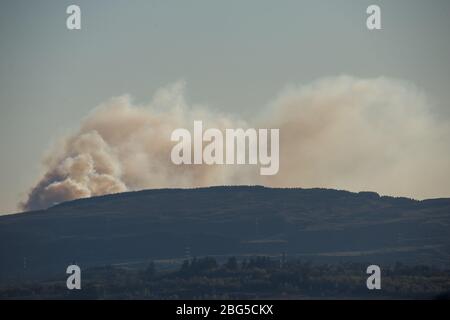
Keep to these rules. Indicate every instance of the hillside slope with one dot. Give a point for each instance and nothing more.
(317, 224)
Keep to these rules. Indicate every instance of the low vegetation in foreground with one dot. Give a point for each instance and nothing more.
(253, 278)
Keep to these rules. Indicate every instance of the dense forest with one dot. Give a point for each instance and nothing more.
(252, 278)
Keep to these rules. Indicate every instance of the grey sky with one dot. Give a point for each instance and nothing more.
(234, 56)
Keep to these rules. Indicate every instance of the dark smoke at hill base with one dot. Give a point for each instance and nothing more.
(342, 132)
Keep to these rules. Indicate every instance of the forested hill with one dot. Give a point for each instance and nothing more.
(315, 224)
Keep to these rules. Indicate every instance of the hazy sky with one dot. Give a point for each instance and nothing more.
(235, 56)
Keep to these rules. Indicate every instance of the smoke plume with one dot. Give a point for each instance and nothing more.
(342, 132)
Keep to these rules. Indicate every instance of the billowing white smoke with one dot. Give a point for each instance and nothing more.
(348, 133)
(361, 134)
